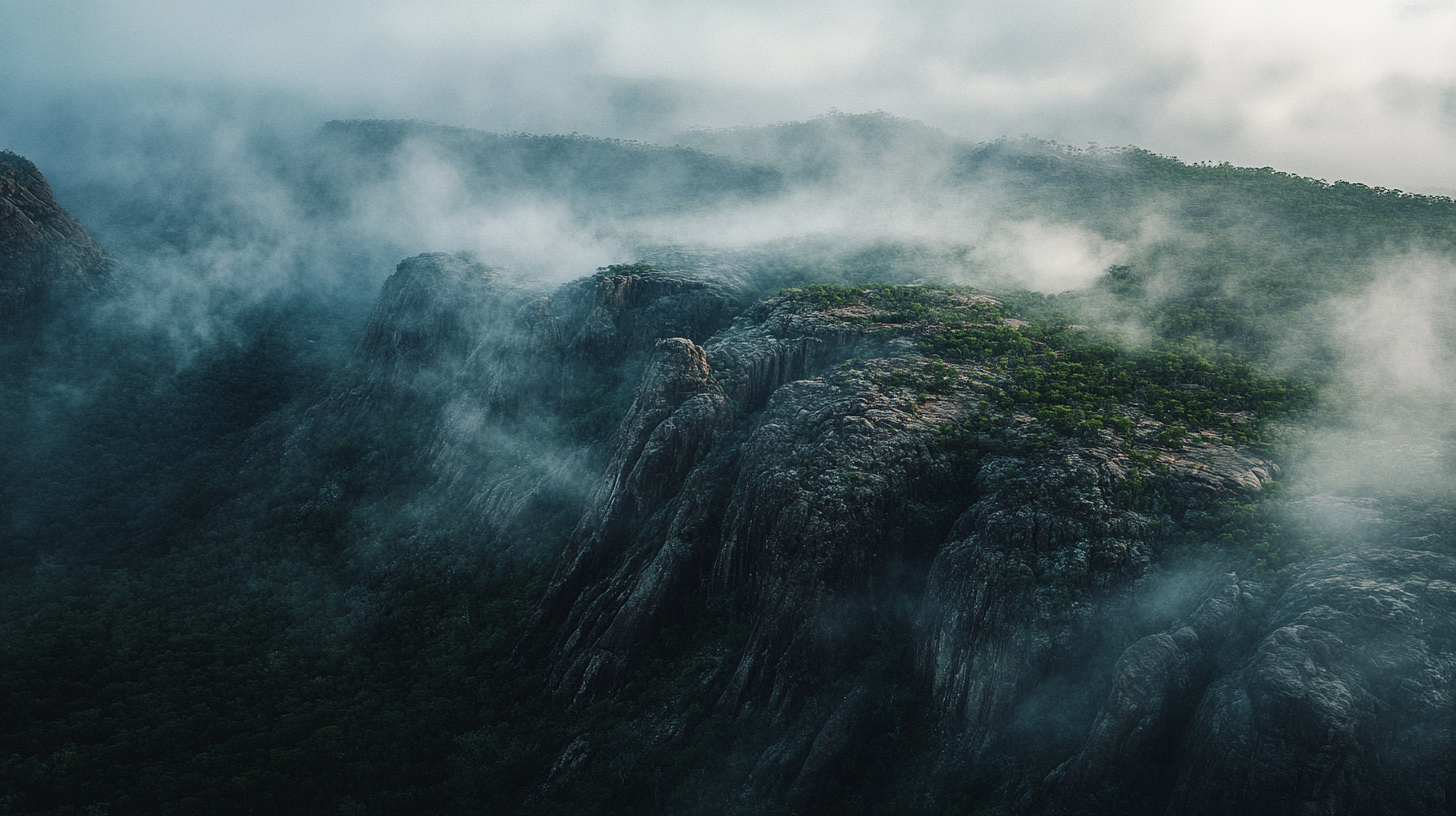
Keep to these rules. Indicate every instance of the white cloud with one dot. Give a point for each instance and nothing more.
(1359, 90)
(1051, 257)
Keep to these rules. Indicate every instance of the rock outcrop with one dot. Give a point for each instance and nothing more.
(1345, 706)
(780, 515)
(430, 315)
(505, 391)
(1154, 686)
(785, 470)
(1335, 699)
(45, 255)
(671, 424)
(1018, 580)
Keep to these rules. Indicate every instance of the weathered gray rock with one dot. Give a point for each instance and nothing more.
(502, 397)
(1017, 582)
(795, 481)
(1346, 706)
(1154, 685)
(837, 489)
(672, 422)
(652, 529)
(429, 316)
(779, 468)
(45, 255)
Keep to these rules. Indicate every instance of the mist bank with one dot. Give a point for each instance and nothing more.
(233, 198)
(1260, 85)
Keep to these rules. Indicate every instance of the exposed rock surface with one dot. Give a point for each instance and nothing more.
(1345, 706)
(1015, 582)
(44, 253)
(1337, 701)
(817, 495)
(512, 384)
(430, 315)
(671, 423)
(1154, 685)
(559, 370)
(774, 514)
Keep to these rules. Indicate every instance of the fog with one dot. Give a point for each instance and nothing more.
(178, 113)
(1390, 425)
(1359, 91)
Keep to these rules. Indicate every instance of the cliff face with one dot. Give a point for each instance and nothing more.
(1338, 700)
(429, 317)
(1344, 705)
(783, 470)
(502, 391)
(807, 522)
(659, 541)
(44, 253)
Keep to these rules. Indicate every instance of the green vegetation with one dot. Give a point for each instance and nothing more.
(899, 304)
(1079, 382)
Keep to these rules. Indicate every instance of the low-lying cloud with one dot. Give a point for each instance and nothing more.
(1359, 91)
(1395, 424)
(1051, 258)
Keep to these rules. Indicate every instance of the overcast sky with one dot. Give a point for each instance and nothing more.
(1363, 90)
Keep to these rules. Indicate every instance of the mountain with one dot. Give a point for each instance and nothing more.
(830, 518)
(595, 176)
(44, 253)
(839, 521)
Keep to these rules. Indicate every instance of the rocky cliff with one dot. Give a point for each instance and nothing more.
(673, 538)
(841, 527)
(505, 392)
(792, 469)
(44, 253)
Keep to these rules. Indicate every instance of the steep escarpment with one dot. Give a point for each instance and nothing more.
(818, 473)
(1015, 586)
(1333, 697)
(658, 540)
(430, 316)
(500, 395)
(1140, 726)
(905, 528)
(674, 527)
(673, 421)
(537, 398)
(44, 253)
(1026, 584)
